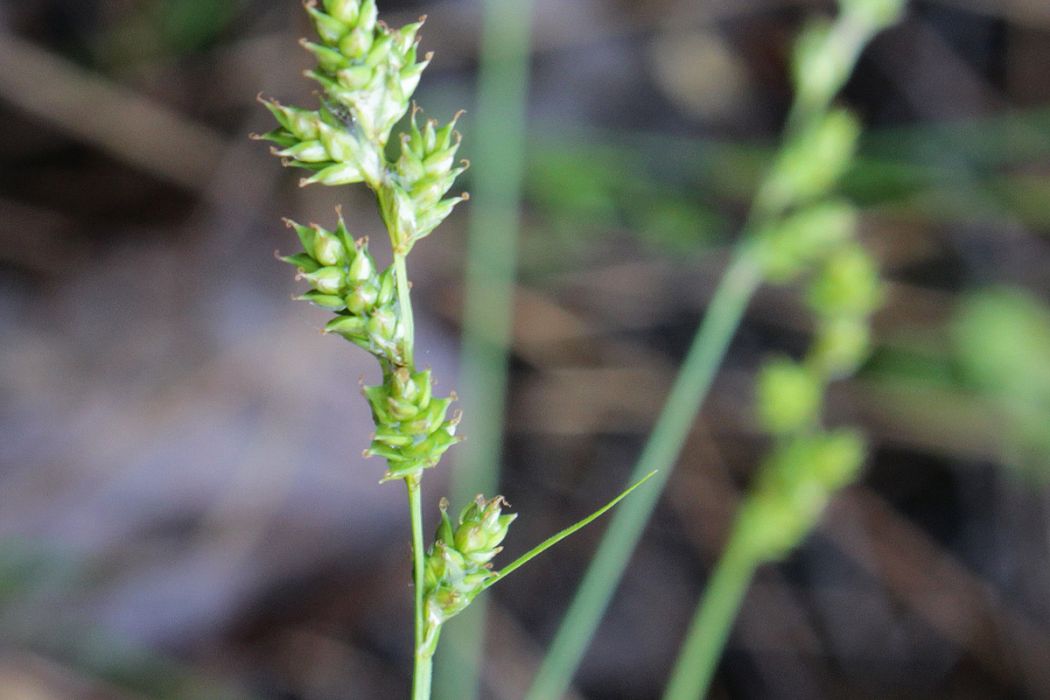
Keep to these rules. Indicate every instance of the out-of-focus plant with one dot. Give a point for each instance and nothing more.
(1001, 344)
(490, 271)
(163, 29)
(796, 228)
(587, 178)
(368, 72)
(583, 188)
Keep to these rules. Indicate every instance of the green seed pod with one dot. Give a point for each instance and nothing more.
(841, 344)
(362, 269)
(350, 327)
(325, 301)
(302, 261)
(379, 51)
(457, 566)
(788, 397)
(789, 246)
(327, 280)
(345, 11)
(875, 14)
(327, 248)
(406, 38)
(405, 385)
(429, 220)
(769, 526)
(848, 285)
(305, 234)
(819, 70)
(282, 137)
(382, 326)
(358, 43)
(306, 152)
(356, 77)
(428, 420)
(814, 160)
(471, 538)
(339, 145)
(387, 288)
(329, 28)
(328, 58)
(362, 299)
(439, 162)
(838, 458)
(367, 15)
(338, 174)
(443, 604)
(445, 534)
(429, 136)
(367, 72)
(377, 400)
(300, 123)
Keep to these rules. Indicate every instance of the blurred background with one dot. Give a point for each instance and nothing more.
(183, 509)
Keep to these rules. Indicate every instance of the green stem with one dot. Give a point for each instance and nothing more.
(423, 653)
(404, 302)
(690, 388)
(498, 161)
(707, 635)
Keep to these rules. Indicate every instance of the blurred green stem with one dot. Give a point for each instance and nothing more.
(699, 655)
(857, 23)
(497, 172)
(724, 313)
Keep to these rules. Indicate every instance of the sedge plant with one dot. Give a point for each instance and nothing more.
(368, 72)
(796, 228)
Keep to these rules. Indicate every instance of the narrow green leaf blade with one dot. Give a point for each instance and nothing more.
(555, 539)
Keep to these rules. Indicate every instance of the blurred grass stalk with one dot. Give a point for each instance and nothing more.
(661, 451)
(497, 175)
(823, 63)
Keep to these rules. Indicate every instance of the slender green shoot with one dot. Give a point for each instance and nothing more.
(722, 600)
(690, 387)
(497, 167)
(422, 657)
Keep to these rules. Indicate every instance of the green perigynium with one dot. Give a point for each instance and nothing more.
(814, 236)
(412, 431)
(368, 72)
(795, 483)
(800, 231)
(811, 163)
(458, 564)
(426, 171)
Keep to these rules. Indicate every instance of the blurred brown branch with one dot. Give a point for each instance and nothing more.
(120, 121)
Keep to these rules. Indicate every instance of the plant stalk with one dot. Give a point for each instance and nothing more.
(724, 313)
(423, 655)
(707, 635)
(497, 172)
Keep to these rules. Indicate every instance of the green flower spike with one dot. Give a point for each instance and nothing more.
(425, 172)
(368, 72)
(412, 430)
(458, 564)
